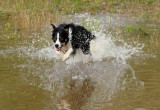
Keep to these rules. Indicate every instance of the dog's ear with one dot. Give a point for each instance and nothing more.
(54, 27)
(66, 28)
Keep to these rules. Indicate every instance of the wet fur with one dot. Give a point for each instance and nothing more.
(71, 37)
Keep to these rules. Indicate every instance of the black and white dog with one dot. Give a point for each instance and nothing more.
(69, 37)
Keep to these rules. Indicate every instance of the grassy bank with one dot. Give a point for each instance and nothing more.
(27, 14)
(140, 8)
(18, 16)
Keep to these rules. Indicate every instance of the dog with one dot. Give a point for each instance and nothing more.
(70, 37)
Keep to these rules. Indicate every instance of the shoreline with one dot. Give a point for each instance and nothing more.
(142, 8)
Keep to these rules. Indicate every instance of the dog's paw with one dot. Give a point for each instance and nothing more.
(65, 57)
(60, 54)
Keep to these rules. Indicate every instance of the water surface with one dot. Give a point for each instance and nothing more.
(123, 72)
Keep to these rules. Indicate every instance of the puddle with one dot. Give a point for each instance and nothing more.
(118, 75)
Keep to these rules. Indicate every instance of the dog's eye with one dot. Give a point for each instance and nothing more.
(54, 40)
(61, 39)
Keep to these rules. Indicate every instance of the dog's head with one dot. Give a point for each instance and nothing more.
(60, 35)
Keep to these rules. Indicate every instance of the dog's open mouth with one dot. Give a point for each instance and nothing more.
(58, 48)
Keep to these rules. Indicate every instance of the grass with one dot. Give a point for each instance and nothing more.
(31, 15)
(49, 6)
(136, 7)
(92, 25)
(4, 15)
(18, 16)
(138, 31)
(14, 8)
(132, 29)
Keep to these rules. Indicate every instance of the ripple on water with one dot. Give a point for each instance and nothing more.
(97, 76)
(103, 69)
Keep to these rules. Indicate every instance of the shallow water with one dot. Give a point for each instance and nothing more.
(122, 73)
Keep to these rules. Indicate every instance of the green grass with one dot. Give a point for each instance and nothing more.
(14, 36)
(44, 43)
(136, 30)
(9, 26)
(92, 25)
(27, 14)
(13, 7)
(131, 29)
(4, 15)
(63, 6)
(150, 2)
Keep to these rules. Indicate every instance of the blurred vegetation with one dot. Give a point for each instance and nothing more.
(27, 16)
(92, 24)
(140, 8)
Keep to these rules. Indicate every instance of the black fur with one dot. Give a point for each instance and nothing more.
(81, 37)
(63, 34)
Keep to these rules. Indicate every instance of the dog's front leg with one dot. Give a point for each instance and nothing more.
(67, 54)
(60, 54)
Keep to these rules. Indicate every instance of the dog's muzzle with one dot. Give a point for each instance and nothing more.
(57, 47)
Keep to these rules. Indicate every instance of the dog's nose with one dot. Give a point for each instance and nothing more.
(56, 45)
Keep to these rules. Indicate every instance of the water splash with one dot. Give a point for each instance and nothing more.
(102, 48)
(105, 68)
